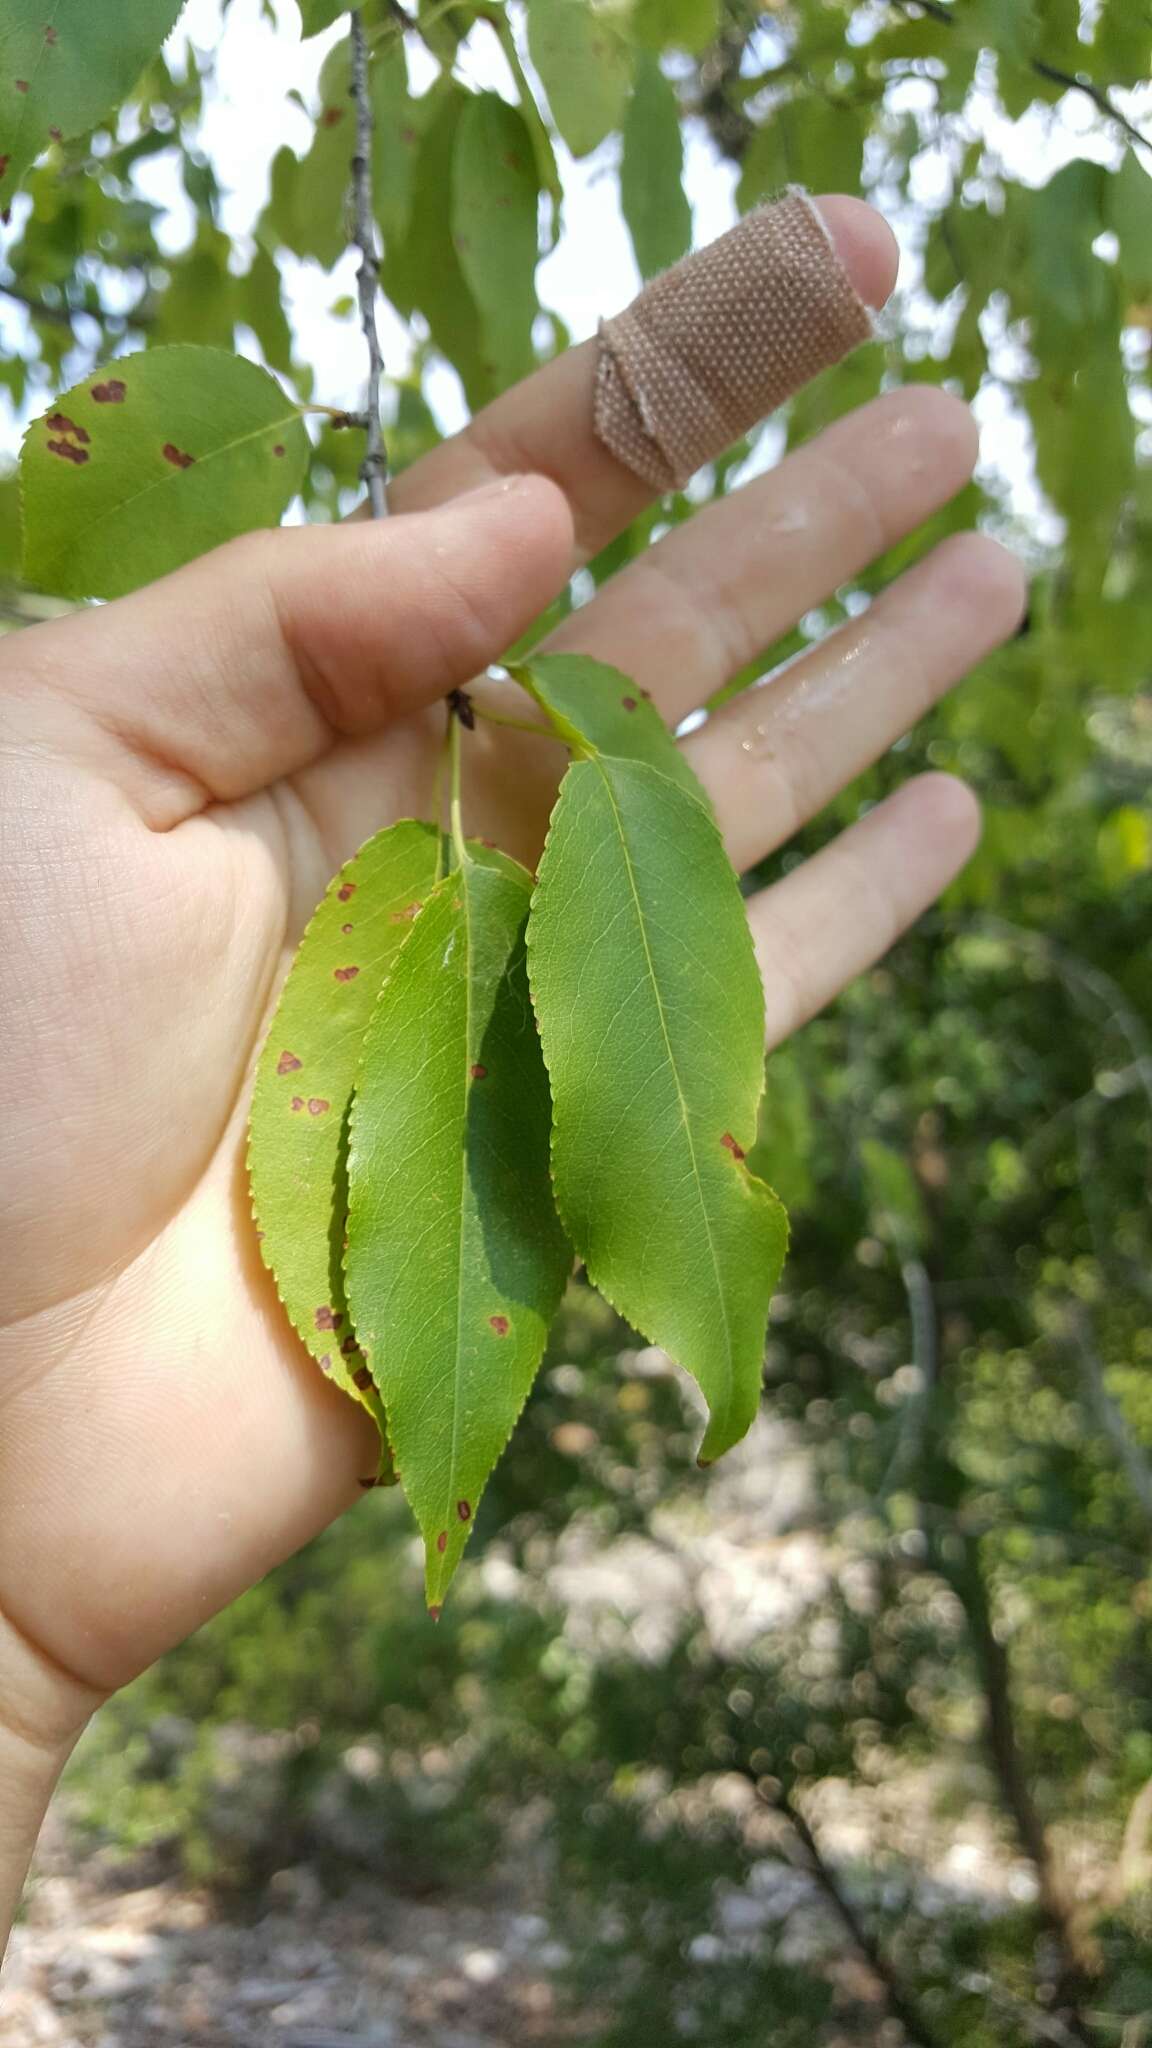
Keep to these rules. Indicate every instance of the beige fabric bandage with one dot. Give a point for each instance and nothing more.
(720, 341)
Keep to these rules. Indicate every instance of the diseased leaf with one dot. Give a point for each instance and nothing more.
(651, 1016)
(584, 66)
(150, 462)
(456, 1260)
(495, 206)
(651, 173)
(592, 704)
(65, 63)
(297, 1143)
(306, 209)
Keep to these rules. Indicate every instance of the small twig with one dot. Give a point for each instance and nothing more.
(917, 2031)
(374, 469)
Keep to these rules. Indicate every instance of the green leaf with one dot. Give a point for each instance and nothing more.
(297, 1162)
(651, 173)
(584, 67)
(495, 205)
(1128, 208)
(1123, 43)
(317, 15)
(260, 302)
(675, 24)
(201, 302)
(398, 123)
(767, 166)
(149, 463)
(456, 1261)
(651, 1015)
(65, 63)
(423, 272)
(306, 208)
(590, 704)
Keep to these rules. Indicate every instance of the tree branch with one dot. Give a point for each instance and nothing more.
(917, 2032)
(374, 469)
(1072, 81)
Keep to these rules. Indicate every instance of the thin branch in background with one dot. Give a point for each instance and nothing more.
(374, 468)
(917, 2032)
(1072, 81)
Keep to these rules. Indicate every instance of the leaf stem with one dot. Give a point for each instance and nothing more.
(454, 811)
(541, 732)
(374, 469)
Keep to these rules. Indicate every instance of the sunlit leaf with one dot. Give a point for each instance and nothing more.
(64, 64)
(651, 173)
(150, 463)
(589, 701)
(651, 1015)
(456, 1261)
(584, 66)
(675, 24)
(422, 272)
(298, 1133)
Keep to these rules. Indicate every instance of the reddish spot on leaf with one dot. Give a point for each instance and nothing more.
(345, 928)
(56, 134)
(730, 1145)
(318, 1105)
(177, 456)
(478, 1072)
(325, 1363)
(297, 1102)
(279, 448)
(349, 1346)
(647, 696)
(110, 393)
(433, 1614)
(331, 117)
(4, 163)
(489, 842)
(410, 911)
(464, 1510)
(328, 1319)
(50, 35)
(629, 703)
(499, 1324)
(21, 85)
(288, 1063)
(69, 451)
(362, 1378)
(346, 890)
(442, 1541)
(345, 973)
(60, 423)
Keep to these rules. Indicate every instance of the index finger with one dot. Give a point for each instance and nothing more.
(545, 424)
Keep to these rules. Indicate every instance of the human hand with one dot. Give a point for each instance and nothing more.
(184, 769)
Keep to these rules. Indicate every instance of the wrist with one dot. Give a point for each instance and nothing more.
(43, 1712)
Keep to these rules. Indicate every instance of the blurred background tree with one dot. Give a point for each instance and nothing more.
(852, 1741)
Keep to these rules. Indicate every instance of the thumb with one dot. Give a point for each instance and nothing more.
(251, 662)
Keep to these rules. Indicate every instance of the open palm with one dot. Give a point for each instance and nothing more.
(183, 771)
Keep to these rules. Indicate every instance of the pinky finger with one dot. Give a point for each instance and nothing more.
(840, 912)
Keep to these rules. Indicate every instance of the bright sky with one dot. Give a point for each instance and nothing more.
(257, 62)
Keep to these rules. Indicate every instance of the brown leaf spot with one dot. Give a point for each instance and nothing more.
(325, 1363)
(629, 703)
(349, 1346)
(478, 1072)
(464, 1510)
(327, 1318)
(345, 928)
(318, 1105)
(647, 696)
(279, 448)
(442, 1541)
(297, 1102)
(177, 456)
(730, 1145)
(705, 1464)
(112, 392)
(69, 451)
(345, 890)
(410, 911)
(345, 973)
(59, 423)
(56, 134)
(4, 163)
(331, 117)
(288, 1063)
(433, 1614)
(50, 35)
(362, 1378)
(21, 85)
(499, 1324)
(368, 1484)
